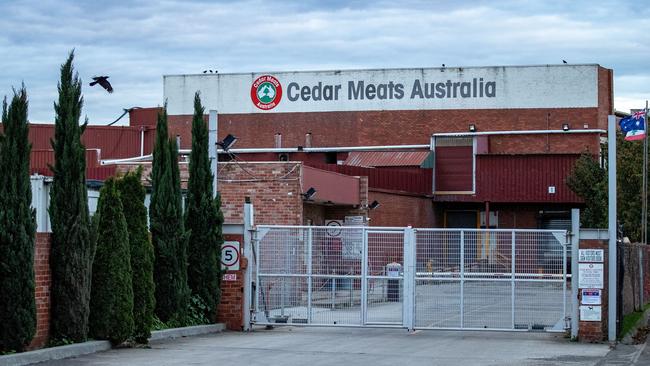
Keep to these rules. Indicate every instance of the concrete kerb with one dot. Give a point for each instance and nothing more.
(54, 353)
(160, 335)
(628, 338)
(80, 349)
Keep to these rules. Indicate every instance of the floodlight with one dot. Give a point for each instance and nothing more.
(309, 194)
(472, 128)
(227, 142)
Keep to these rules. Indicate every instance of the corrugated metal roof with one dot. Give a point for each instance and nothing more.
(114, 142)
(386, 158)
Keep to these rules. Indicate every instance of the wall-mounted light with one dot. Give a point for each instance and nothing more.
(375, 204)
(472, 128)
(309, 194)
(565, 127)
(227, 142)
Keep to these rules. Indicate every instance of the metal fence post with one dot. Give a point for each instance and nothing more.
(408, 305)
(248, 253)
(364, 276)
(258, 285)
(309, 273)
(641, 274)
(512, 279)
(462, 278)
(564, 269)
(575, 245)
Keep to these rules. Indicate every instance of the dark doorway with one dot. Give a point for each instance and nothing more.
(461, 219)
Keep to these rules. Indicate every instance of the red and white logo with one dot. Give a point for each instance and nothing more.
(266, 92)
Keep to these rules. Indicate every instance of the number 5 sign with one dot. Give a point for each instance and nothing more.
(230, 255)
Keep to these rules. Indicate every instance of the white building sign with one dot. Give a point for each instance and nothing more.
(590, 275)
(549, 86)
(590, 255)
(590, 313)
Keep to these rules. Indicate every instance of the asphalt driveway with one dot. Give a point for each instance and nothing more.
(288, 346)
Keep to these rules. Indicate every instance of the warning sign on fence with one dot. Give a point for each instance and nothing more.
(591, 296)
(590, 313)
(590, 255)
(590, 275)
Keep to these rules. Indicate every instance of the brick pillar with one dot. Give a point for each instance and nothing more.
(42, 289)
(594, 331)
(231, 307)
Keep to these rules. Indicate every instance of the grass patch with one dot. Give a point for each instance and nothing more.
(631, 320)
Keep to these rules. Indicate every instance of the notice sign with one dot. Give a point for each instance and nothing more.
(590, 255)
(590, 313)
(230, 255)
(229, 277)
(591, 296)
(590, 275)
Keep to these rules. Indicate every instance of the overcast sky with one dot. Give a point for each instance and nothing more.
(135, 43)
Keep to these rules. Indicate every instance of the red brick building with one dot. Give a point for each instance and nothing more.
(502, 139)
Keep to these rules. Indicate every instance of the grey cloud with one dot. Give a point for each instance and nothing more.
(138, 42)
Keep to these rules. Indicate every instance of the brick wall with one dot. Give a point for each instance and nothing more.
(231, 308)
(401, 209)
(274, 190)
(415, 127)
(545, 144)
(592, 331)
(273, 187)
(43, 281)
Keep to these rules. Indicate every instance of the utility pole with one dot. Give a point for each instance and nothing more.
(613, 232)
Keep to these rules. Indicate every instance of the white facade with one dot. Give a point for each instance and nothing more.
(548, 86)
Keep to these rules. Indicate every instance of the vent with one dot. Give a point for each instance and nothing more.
(454, 141)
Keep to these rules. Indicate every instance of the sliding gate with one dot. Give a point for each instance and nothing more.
(411, 278)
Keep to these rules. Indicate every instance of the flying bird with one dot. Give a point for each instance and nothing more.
(103, 81)
(564, 61)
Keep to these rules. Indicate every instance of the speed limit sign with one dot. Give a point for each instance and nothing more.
(230, 255)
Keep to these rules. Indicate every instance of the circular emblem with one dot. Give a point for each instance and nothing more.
(229, 255)
(266, 92)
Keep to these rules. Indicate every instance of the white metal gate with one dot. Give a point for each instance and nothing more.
(411, 278)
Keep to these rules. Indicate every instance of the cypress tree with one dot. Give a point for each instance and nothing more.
(17, 229)
(111, 300)
(72, 250)
(167, 229)
(132, 194)
(203, 218)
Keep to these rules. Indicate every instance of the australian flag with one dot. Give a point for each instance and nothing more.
(634, 126)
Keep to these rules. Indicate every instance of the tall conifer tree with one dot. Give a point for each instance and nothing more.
(17, 229)
(167, 229)
(72, 249)
(132, 195)
(203, 218)
(111, 301)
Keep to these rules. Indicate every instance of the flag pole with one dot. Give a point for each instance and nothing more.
(644, 214)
